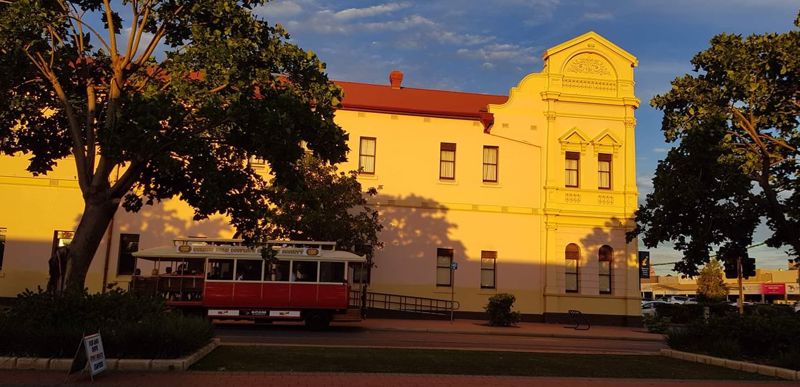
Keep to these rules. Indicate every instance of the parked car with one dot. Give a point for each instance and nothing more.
(673, 299)
(649, 308)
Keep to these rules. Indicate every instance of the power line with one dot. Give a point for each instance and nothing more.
(712, 256)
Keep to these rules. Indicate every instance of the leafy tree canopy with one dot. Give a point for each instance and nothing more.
(328, 205)
(735, 123)
(228, 87)
(710, 282)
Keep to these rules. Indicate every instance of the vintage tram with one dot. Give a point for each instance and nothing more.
(225, 279)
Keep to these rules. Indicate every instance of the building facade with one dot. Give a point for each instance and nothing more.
(775, 286)
(530, 193)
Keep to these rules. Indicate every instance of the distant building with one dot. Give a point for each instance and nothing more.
(769, 285)
(530, 193)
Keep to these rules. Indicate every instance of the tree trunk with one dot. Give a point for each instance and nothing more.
(95, 220)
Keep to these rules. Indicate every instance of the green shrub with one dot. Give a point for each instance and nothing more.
(499, 310)
(46, 325)
(766, 334)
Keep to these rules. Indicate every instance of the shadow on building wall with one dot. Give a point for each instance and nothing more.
(414, 228)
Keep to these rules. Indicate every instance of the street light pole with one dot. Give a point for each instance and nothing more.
(741, 290)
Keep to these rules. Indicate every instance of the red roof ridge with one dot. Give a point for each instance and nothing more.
(379, 98)
(336, 81)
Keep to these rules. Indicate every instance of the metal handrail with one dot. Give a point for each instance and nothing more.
(403, 303)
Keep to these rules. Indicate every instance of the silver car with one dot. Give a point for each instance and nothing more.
(649, 308)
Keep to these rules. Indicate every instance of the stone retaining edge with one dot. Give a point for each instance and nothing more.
(783, 373)
(59, 364)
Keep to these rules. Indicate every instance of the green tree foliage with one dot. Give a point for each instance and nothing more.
(710, 282)
(735, 123)
(326, 205)
(227, 87)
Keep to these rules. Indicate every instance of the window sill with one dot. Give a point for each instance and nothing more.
(489, 184)
(368, 176)
(448, 182)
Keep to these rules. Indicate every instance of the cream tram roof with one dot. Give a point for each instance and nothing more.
(235, 248)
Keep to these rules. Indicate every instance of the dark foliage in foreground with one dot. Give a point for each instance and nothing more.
(765, 334)
(47, 325)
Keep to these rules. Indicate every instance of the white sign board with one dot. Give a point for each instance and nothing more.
(95, 354)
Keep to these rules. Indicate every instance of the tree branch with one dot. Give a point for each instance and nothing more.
(112, 37)
(72, 118)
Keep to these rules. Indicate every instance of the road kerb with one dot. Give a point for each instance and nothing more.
(61, 364)
(782, 373)
(506, 333)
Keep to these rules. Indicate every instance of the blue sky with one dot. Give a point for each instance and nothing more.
(488, 46)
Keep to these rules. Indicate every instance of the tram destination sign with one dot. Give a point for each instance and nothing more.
(279, 250)
(209, 249)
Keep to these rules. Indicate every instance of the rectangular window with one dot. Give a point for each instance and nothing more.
(366, 155)
(277, 271)
(490, 154)
(447, 161)
(605, 277)
(571, 268)
(604, 171)
(257, 162)
(220, 269)
(444, 275)
(360, 273)
(304, 271)
(2, 245)
(332, 272)
(488, 266)
(249, 269)
(61, 239)
(571, 168)
(128, 244)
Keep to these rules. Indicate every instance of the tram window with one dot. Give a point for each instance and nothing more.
(248, 270)
(331, 272)
(278, 271)
(220, 269)
(304, 272)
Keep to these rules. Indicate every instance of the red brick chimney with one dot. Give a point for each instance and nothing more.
(396, 78)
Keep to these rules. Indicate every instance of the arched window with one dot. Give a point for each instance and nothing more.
(605, 260)
(572, 255)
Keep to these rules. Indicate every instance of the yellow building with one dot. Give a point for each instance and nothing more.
(530, 193)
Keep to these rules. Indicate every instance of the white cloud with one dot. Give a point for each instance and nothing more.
(406, 23)
(598, 16)
(501, 52)
(278, 9)
(144, 41)
(660, 150)
(354, 13)
(645, 183)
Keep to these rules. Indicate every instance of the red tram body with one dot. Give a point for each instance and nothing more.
(225, 279)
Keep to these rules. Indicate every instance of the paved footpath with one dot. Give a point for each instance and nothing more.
(521, 329)
(245, 379)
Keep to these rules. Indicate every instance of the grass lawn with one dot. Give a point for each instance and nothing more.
(426, 361)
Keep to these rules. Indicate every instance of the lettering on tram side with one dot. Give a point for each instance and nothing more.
(223, 312)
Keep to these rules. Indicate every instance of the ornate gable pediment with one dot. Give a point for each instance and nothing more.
(606, 142)
(574, 139)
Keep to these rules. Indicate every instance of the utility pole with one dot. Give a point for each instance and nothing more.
(741, 290)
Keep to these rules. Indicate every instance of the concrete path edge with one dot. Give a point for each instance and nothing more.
(782, 373)
(505, 333)
(57, 364)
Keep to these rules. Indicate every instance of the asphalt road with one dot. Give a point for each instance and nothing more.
(359, 337)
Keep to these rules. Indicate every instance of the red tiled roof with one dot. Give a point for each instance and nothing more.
(422, 102)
